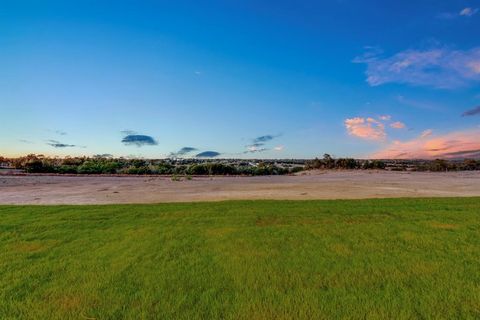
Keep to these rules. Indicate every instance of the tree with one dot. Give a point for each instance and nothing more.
(328, 161)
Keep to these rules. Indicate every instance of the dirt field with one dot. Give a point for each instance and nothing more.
(314, 185)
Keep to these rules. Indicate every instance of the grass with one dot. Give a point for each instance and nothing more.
(360, 259)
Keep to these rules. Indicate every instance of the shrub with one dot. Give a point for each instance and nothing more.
(67, 169)
(90, 167)
(296, 169)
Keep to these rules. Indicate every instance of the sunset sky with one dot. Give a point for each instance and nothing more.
(242, 79)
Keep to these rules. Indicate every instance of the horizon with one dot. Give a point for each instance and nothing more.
(249, 80)
(220, 159)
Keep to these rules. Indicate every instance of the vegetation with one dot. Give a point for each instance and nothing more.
(437, 165)
(107, 165)
(443, 165)
(101, 165)
(361, 259)
(343, 163)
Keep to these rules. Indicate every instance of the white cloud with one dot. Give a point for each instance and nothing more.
(465, 12)
(468, 12)
(253, 149)
(439, 67)
(279, 148)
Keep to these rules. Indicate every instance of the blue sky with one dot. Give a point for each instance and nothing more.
(249, 79)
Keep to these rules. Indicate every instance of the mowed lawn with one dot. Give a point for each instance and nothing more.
(360, 259)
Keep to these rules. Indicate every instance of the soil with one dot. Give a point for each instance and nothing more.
(45, 189)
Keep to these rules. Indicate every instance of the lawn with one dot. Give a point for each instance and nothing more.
(355, 259)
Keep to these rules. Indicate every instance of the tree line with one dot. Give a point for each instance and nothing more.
(102, 165)
(328, 162)
(437, 165)
(106, 165)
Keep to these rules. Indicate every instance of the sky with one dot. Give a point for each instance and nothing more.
(240, 79)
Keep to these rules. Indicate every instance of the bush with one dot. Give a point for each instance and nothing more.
(90, 167)
(164, 168)
(296, 169)
(470, 164)
(347, 163)
(439, 165)
(374, 164)
(67, 169)
(34, 166)
(138, 170)
(211, 168)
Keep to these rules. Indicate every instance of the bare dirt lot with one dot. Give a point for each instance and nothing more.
(313, 185)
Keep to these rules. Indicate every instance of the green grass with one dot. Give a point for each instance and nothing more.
(361, 259)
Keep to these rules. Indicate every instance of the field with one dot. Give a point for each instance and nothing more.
(311, 185)
(356, 259)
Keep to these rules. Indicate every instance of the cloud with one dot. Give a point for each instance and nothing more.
(60, 132)
(57, 144)
(465, 12)
(127, 132)
(441, 68)
(468, 12)
(385, 117)
(254, 149)
(397, 125)
(208, 154)
(182, 152)
(426, 133)
(453, 145)
(369, 128)
(139, 140)
(471, 112)
(265, 138)
(279, 148)
(258, 143)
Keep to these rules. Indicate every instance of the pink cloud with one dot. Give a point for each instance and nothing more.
(397, 125)
(385, 117)
(457, 144)
(369, 128)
